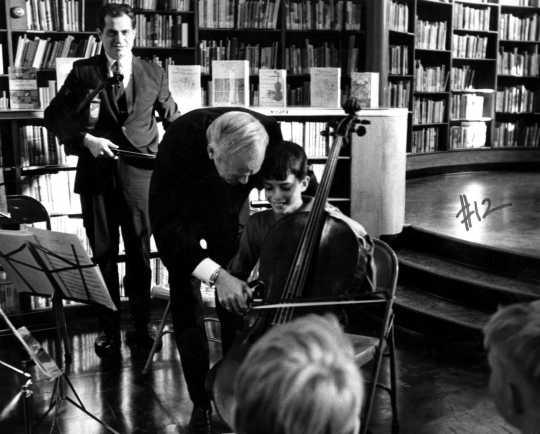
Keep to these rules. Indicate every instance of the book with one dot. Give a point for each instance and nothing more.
(1, 59)
(23, 88)
(365, 87)
(17, 14)
(230, 83)
(63, 67)
(273, 88)
(325, 88)
(185, 86)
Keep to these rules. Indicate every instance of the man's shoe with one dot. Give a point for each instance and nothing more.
(107, 346)
(201, 421)
(143, 340)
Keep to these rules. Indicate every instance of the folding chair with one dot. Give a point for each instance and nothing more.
(369, 348)
(27, 210)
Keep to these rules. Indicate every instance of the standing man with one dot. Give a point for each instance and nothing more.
(114, 191)
(206, 166)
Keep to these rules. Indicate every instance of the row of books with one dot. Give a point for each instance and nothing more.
(308, 135)
(46, 94)
(323, 15)
(298, 60)
(520, 28)
(469, 46)
(49, 15)
(430, 78)
(471, 18)
(399, 59)
(157, 5)
(512, 134)
(466, 106)
(54, 191)
(431, 35)
(425, 140)
(463, 77)
(164, 31)
(519, 62)
(398, 16)
(259, 56)
(42, 53)
(529, 3)
(517, 99)
(39, 147)
(399, 93)
(258, 14)
(428, 110)
(468, 135)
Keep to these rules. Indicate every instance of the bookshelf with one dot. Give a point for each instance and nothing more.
(466, 70)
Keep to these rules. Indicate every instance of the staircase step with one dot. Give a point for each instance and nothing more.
(438, 308)
(511, 288)
(507, 262)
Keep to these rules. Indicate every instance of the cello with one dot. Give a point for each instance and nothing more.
(307, 257)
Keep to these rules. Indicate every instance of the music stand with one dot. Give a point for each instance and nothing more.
(55, 265)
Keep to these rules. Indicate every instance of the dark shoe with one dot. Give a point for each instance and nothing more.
(201, 421)
(143, 340)
(107, 346)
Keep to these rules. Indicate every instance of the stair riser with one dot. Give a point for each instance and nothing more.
(435, 327)
(513, 265)
(471, 293)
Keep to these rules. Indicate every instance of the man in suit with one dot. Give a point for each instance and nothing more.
(114, 191)
(205, 168)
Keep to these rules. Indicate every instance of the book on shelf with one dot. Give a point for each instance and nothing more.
(185, 86)
(468, 135)
(365, 87)
(230, 83)
(325, 87)
(23, 88)
(63, 66)
(17, 14)
(3, 199)
(272, 87)
(1, 59)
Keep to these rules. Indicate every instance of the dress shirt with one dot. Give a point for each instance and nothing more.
(125, 66)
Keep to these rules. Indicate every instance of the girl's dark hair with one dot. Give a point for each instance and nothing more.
(115, 10)
(282, 159)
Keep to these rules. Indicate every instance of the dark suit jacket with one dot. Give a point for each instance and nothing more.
(148, 91)
(188, 199)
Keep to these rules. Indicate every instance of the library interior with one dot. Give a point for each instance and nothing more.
(270, 216)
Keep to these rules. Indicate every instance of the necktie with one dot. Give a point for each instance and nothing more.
(118, 89)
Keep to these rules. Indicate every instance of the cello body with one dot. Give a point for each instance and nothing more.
(332, 272)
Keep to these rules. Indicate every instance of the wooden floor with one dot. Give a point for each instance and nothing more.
(433, 202)
(440, 392)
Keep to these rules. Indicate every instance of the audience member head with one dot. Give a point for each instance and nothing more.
(300, 377)
(285, 178)
(236, 143)
(512, 338)
(116, 29)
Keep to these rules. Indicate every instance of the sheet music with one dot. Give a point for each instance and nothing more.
(84, 284)
(27, 278)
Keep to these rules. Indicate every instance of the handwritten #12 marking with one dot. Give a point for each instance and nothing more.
(467, 212)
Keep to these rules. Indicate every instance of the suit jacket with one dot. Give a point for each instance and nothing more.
(188, 199)
(137, 131)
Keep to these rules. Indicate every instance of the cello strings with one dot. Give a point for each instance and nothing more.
(296, 278)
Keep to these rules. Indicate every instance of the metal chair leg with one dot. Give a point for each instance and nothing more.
(371, 397)
(159, 335)
(393, 382)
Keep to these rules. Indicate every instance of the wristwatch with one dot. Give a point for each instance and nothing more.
(214, 277)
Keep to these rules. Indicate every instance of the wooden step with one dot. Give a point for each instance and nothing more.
(439, 309)
(463, 280)
(504, 262)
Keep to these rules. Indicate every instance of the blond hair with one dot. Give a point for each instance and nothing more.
(514, 331)
(299, 378)
(237, 131)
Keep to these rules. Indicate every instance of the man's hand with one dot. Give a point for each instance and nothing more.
(232, 293)
(99, 147)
